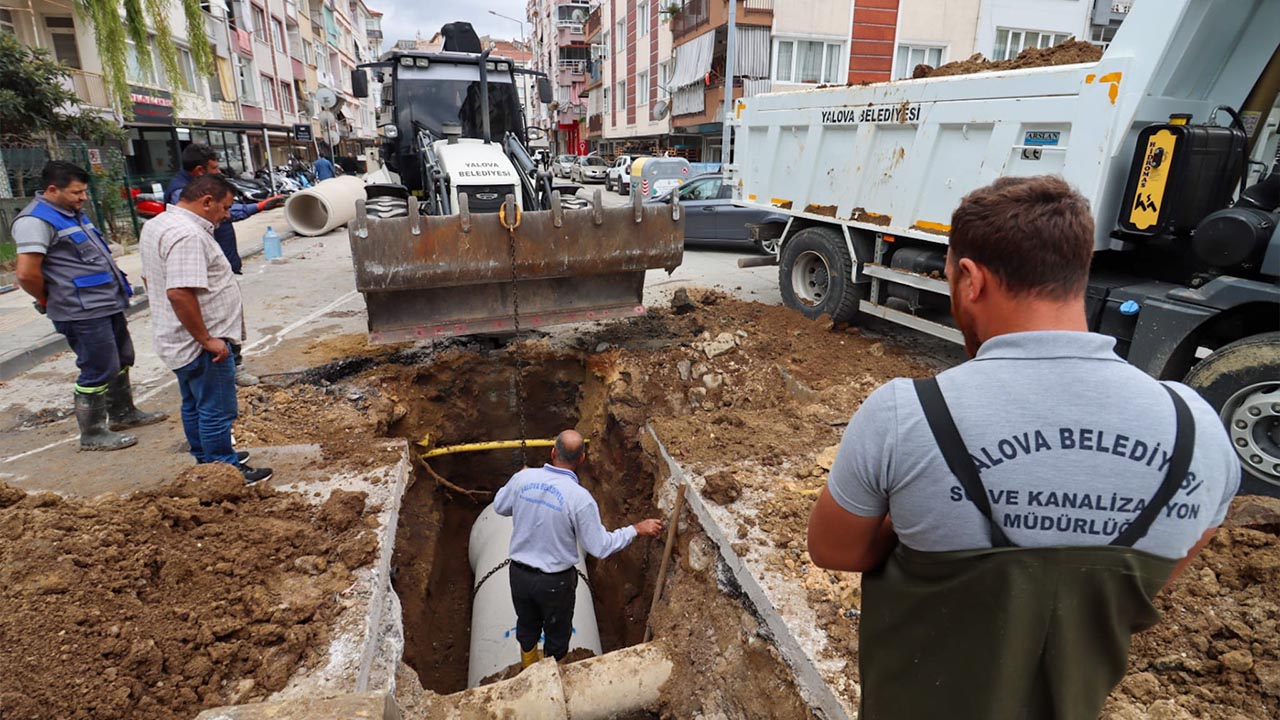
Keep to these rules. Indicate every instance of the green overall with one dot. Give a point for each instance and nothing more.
(1008, 633)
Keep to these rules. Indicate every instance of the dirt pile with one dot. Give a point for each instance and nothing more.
(196, 594)
(1216, 653)
(1065, 53)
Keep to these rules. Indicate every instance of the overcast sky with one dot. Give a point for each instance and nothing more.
(403, 19)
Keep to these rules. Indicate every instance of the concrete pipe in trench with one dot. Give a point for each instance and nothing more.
(327, 205)
(493, 618)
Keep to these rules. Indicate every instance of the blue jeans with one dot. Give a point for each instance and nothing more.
(209, 407)
(102, 346)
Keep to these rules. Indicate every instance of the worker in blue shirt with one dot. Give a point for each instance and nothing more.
(200, 159)
(323, 168)
(552, 515)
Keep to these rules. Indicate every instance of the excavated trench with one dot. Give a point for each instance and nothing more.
(474, 401)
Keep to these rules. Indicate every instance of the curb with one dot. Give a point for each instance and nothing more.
(17, 362)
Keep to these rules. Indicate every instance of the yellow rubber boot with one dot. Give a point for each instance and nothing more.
(531, 657)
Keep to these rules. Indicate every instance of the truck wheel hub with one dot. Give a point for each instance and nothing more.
(811, 278)
(1253, 421)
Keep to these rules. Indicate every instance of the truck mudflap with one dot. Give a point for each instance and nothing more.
(438, 276)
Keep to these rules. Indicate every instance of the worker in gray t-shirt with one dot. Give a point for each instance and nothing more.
(1014, 517)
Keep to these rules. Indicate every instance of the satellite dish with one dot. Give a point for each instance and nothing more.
(579, 16)
(326, 118)
(660, 109)
(327, 98)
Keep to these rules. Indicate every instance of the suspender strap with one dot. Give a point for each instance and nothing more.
(1183, 443)
(956, 454)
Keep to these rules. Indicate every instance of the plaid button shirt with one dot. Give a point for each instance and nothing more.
(178, 251)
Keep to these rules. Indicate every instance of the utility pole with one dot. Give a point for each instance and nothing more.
(731, 43)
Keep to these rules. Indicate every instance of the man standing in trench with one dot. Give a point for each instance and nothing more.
(552, 515)
(1014, 517)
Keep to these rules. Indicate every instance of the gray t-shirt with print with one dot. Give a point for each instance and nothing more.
(1069, 440)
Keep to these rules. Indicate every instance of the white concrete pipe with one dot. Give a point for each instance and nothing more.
(493, 618)
(327, 205)
(618, 684)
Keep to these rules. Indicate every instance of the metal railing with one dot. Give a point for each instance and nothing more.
(758, 4)
(577, 67)
(91, 88)
(691, 16)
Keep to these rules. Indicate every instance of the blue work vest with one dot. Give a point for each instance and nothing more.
(80, 278)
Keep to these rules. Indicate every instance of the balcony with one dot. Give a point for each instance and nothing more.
(571, 71)
(697, 15)
(595, 126)
(568, 33)
(570, 114)
(243, 42)
(90, 88)
(593, 24)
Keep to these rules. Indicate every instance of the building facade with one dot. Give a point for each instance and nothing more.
(268, 56)
(627, 91)
(558, 42)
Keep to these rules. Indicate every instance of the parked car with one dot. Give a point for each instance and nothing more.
(591, 168)
(563, 164)
(618, 178)
(712, 218)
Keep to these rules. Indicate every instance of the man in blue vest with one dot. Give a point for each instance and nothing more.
(66, 265)
(199, 159)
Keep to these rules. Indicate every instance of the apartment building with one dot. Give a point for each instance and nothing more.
(266, 59)
(628, 103)
(558, 42)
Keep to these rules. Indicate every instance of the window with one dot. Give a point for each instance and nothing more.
(62, 31)
(604, 43)
(277, 34)
(909, 56)
(286, 98)
(188, 67)
(622, 95)
(1010, 42)
(808, 61)
(259, 23)
(664, 78)
(608, 109)
(642, 19)
(134, 71)
(6, 22)
(1102, 35)
(706, 189)
(308, 53)
(621, 35)
(268, 93)
(642, 88)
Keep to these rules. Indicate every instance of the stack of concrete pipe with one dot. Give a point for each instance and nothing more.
(325, 206)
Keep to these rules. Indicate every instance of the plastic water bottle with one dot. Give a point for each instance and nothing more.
(271, 249)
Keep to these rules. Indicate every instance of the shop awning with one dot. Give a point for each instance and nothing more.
(693, 60)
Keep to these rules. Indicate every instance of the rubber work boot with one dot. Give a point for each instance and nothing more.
(120, 406)
(91, 415)
(531, 657)
(244, 378)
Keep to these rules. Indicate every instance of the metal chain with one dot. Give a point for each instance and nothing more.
(488, 575)
(515, 320)
(475, 590)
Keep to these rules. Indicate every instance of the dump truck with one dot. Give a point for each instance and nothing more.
(462, 232)
(1157, 135)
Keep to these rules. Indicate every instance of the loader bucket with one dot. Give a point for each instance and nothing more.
(428, 276)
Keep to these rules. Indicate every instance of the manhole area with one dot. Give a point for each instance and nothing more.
(433, 576)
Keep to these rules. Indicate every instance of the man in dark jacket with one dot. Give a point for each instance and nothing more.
(200, 159)
(66, 265)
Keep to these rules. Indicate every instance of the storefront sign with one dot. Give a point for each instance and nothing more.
(151, 106)
(302, 132)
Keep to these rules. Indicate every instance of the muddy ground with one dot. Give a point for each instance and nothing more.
(199, 593)
(1065, 53)
(750, 399)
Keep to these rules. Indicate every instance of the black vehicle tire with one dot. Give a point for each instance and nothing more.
(814, 275)
(1242, 382)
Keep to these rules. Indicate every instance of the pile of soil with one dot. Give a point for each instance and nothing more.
(1068, 52)
(1216, 653)
(196, 594)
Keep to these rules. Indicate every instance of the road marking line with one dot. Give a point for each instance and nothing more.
(278, 336)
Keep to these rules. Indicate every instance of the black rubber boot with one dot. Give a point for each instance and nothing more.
(91, 415)
(120, 406)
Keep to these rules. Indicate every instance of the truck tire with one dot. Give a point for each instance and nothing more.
(1242, 382)
(815, 275)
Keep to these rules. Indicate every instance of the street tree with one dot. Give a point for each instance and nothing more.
(145, 23)
(36, 100)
